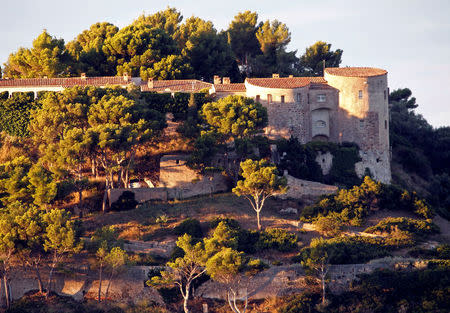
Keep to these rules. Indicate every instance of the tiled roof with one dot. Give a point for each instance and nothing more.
(355, 71)
(180, 85)
(65, 82)
(230, 87)
(320, 86)
(285, 82)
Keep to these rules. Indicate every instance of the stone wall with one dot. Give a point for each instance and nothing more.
(82, 283)
(299, 188)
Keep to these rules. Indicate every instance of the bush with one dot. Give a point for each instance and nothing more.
(189, 226)
(230, 222)
(125, 202)
(278, 239)
(417, 228)
(255, 266)
(355, 204)
(349, 250)
(330, 225)
(301, 303)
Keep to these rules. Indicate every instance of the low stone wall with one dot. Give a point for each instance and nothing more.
(204, 186)
(299, 188)
(127, 287)
(140, 194)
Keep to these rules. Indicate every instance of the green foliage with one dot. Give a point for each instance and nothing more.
(230, 222)
(224, 265)
(205, 148)
(107, 236)
(355, 204)
(189, 226)
(440, 252)
(347, 250)
(20, 180)
(298, 160)
(135, 49)
(418, 228)
(15, 113)
(301, 303)
(125, 202)
(48, 57)
(388, 291)
(208, 52)
(61, 233)
(235, 116)
(87, 53)
(242, 34)
(329, 225)
(277, 239)
(260, 181)
(312, 61)
(223, 236)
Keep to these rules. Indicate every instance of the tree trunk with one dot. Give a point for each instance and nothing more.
(186, 298)
(105, 195)
(323, 289)
(39, 279)
(100, 284)
(109, 284)
(258, 219)
(5, 286)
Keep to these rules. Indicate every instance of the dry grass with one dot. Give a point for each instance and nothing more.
(202, 208)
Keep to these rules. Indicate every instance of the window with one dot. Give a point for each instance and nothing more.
(361, 123)
(308, 98)
(321, 124)
(282, 99)
(385, 95)
(385, 124)
(299, 98)
(360, 94)
(177, 161)
(269, 98)
(321, 98)
(258, 98)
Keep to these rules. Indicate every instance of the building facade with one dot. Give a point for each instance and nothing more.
(348, 104)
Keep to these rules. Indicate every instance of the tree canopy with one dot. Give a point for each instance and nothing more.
(312, 61)
(48, 57)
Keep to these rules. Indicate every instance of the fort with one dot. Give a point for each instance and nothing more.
(348, 104)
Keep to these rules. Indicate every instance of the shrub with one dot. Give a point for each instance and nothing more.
(189, 226)
(230, 222)
(355, 204)
(300, 303)
(125, 202)
(330, 225)
(417, 228)
(278, 239)
(348, 250)
(255, 266)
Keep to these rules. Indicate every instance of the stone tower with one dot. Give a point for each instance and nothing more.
(363, 116)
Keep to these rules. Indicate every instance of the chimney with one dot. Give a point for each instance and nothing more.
(226, 80)
(291, 76)
(125, 77)
(217, 80)
(275, 75)
(83, 75)
(150, 83)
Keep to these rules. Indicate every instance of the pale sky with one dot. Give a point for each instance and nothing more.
(409, 38)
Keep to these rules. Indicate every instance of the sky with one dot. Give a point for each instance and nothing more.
(408, 38)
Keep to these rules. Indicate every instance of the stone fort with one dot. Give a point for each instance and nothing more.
(347, 104)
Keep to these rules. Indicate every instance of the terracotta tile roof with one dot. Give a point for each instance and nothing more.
(320, 86)
(64, 82)
(230, 87)
(355, 71)
(285, 82)
(180, 85)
